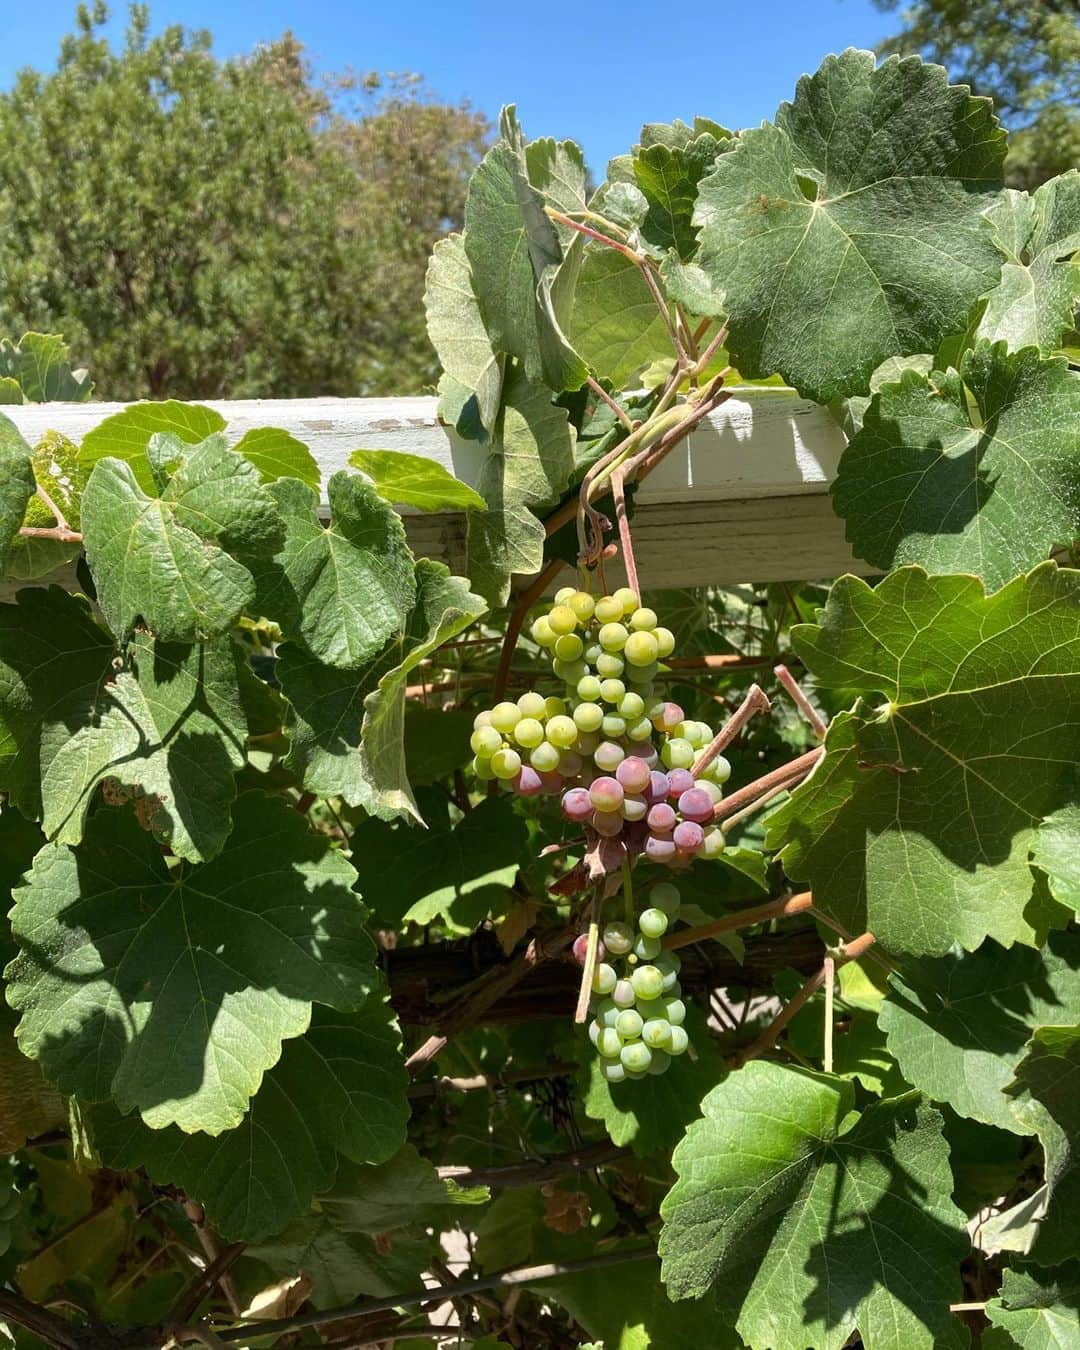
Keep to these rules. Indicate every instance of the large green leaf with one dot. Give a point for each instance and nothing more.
(346, 587)
(616, 325)
(412, 480)
(125, 435)
(1055, 852)
(1034, 304)
(516, 254)
(38, 363)
(1047, 1101)
(172, 991)
(165, 559)
(331, 710)
(852, 230)
(338, 1088)
(820, 1222)
(17, 486)
(1036, 1310)
(276, 455)
(455, 874)
(456, 329)
(959, 1024)
(526, 469)
(919, 821)
(668, 176)
(976, 471)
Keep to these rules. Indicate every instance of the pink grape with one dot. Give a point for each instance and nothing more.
(607, 823)
(679, 781)
(661, 817)
(633, 774)
(658, 787)
(669, 717)
(688, 836)
(576, 804)
(695, 804)
(606, 794)
(660, 848)
(581, 947)
(528, 782)
(608, 756)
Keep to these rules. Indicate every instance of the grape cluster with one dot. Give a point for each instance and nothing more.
(637, 1006)
(620, 756)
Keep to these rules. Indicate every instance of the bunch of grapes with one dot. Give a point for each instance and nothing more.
(637, 1006)
(620, 756)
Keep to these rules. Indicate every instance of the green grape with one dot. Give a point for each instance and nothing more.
(562, 731)
(669, 965)
(677, 753)
(628, 1024)
(643, 620)
(656, 1032)
(713, 843)
(636, 1057)
(588, 717)
(545, 758)
(481, 766)
(541, 632)
(645, 948)
(623, 995)
(721, 770)
(485, 741)
(627, 598)
(563, 594)
(594, 1031)
(613, 726)
(582, 603)
(611, 691)
(642, 676)
(665, 896)
(505, 717)
(562, 619)
(529, 732)
(482, 719)
(661, 1062)
(604, 979)
(640, 731)
(665, 640)
(554, 707)
(618, 937)
(648, 983)
(569, 647)
(613, 1070)
(674, 1010)
(606, 1012)
(679, 1041)
(505, 764)
(609, 665)
(612, 637)
(631, 706)
(608, 756)
(608, 609)
(713, 789)
(653, 923)
(531, 704)
(589, 689)
(609, 1043)
(570, 671)
(640, 649)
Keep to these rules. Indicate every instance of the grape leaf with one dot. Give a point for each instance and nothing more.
(173, 992)
(919, 821)
(166, 559)
(1054, 851)
(29, 1104)
(516, 255)
(976, 471)
(1047, 1101)
(456, 328)
(55, 464)
(819, 230)
(411, 480)
(125, 435)
(17, 486)
(1034, 303)
(1036, 1310)
(821, 1221)
(457, 872)
(338, 1088)
(669, 175)
(615, 324)
(344, 588)
(276, 455)
(526, 469)
(38, 364)
(959, 1024)
(652, 1114)
(330, 708)
(436, 742)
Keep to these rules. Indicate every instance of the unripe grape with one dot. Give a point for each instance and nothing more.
(640, 730)
(608, 756)
(627, 598)
(661, 818)
(485, 741)
(643, 620)
(606, 794)
(582, 603)
(606, 1013)
(562, 619)
(666, 717)
(657, 790)
(679, 781)
(570, 671)
(612, 637)
(642, 676)
(528, 782)
(613, 726)
(634, 808)
(674, 1011)
(696, 805)
(588, 717)
(505, 717)
(687, 836)
(576, 805)
(604, 978)
(718, 771)
(613, 1070)
(677, 753)
(642, 688)
(640, 649)
(482, 719)
(660, 848)
(545, 757)
(554, 707)
(481, 766)
(631, 706)
(609, 665)
(633, 774)
(666, 642)
(628, 1024)
(636, 1057)
(656, 1032)
(609, 1043)
(570, 763)
(679, 1041)
(589, 688)
(623, 995)
(563, 594)
(531, 704)
(611, 691)
(569, 647)
(580, 949)
(529, 732)
(618, 937)
(607, 609)
(665, 896)
(562, 731)
(645, 948)
(669, 965)
(607, 823)
(541, 632)
(661, 1062)
(653, 922)
(711, 789)
(593, 653)
(649, 755)
(505, 764)
(705, 733)
(712, 845)
(648, 983)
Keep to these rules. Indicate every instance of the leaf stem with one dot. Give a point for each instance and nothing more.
(621, 413)
(59, 532)
(743, 918)
(685, 361)
(788, 774)
(626, 542)
(756, 701)
(589, 233)
(800, 700)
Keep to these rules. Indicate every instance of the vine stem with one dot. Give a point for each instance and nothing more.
(210, 1245)
(787, 775)
(850, 951)
(481, 1081)
(590, 233)
(626, 542)
(756, 701)
(755, 806)
(743, 918)
(59, 532)
(535, 1170)
(829, 969)
(621, 413)
(42, 1323)
(517, 618)
(682, 355)
(800, 700)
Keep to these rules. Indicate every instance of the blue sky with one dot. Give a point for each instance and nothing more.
(597, 78)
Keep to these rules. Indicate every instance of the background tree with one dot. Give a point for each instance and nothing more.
(201, 228)
(1024, 54)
